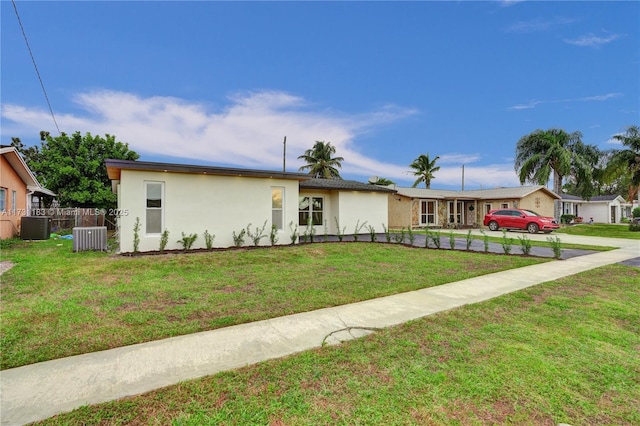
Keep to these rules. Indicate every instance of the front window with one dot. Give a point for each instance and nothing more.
(455, 216)
(310, 211)
(13, 201)
(3, 199)
(504, 205)
(277, 212)
(427, 212)
(154, 206)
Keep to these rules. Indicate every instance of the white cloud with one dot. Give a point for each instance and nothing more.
(592, 40)
(539, 25)
(246, 132)
(596, 98)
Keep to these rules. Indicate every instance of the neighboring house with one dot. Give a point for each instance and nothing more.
(18, 189)
(602, 208)
(418, 207)
(191, 199)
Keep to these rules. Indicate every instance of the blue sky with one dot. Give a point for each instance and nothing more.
(222, 83)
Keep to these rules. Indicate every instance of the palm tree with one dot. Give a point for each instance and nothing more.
(627, 161)
(320, 163)
(543, 152)
(424, 169)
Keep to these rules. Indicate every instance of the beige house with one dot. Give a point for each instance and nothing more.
(191, 199)
(419, 207)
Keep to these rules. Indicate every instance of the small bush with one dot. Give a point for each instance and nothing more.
(634, 227)
(273, 235)
(506, 242)
(567, 218)
(555, 246)
(399, 238)
(238, 239)
(187, 240)
(412, 238)
(372, 233)
(357, 229)
(435, 238)
(164, 239)
(256, 235)
(485, 240)
(469, 239)
(452, 240)
(525, 245)
(340, 232)
(208, 239)
(387, 234)
(293, 232)
(136, 237)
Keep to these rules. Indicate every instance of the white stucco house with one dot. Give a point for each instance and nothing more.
(191, 199)
(603, 208)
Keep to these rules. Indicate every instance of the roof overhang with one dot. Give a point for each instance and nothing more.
(115, 167)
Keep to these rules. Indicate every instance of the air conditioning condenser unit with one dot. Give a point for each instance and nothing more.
(90, 238)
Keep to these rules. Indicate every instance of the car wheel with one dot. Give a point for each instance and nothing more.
(533, 228)
(493, 225)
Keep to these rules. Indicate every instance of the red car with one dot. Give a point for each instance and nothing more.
(519, 219)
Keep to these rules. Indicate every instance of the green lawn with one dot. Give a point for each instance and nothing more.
(56, 303)
(561, 352)
(601, 230)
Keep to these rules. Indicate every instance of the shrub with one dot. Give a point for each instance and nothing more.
(372, 233)
(238, 239)
(412, 238)
(136, 237)
(310, 232)
(399, 238)
(469, 239)
(208, 239)
(634, 227)
(357, 229)
(567, 218)
(294, 232)
(485, 240)
(187, 240)
(273, 235)
(555, 246)
(387, 234)
(257, 235)
(506, 242)
(452, 240)
(525, 245)
(435, 237)
(164, 239)
(340, 232)
(635, 212)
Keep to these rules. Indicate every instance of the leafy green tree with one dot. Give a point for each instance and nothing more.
(424, 168)
(543, 152)
(73, 167)
(382, 182)
(320, 162)
(627, 161)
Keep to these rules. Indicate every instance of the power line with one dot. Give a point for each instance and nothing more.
(24, 34)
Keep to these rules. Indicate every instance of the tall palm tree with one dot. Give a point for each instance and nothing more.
(424, 168)
(543, 152)
(320, 162)
(627, 160)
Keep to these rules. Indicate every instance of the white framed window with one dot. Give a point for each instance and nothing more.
(3, 199)
(14, 195)
(427, 212)
(455, 216)
(310, 211)
(504, 205)
(154, 207)
(277, 207)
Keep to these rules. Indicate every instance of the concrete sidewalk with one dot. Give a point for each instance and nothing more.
(38, 391)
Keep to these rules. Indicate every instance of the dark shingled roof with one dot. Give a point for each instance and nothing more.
(115, 166)
(342, 185)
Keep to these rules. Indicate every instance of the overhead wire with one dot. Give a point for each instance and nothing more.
(24, 34)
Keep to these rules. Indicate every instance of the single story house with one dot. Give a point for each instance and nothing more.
(419, 207)
(191, 199)
(602, 208)
(19, 188)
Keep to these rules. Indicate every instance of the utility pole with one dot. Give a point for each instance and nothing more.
(463, 177)
(284, 156)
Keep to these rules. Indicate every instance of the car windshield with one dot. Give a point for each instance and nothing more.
(530, 213)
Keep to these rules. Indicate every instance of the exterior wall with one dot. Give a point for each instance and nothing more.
(538, 201)
(10, 218)
(601, 211)
(193, 203)
(400, 209)
(359, 206)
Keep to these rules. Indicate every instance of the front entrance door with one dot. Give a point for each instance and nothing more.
(613, 214)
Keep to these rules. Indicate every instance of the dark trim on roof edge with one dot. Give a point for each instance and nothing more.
(115, 166)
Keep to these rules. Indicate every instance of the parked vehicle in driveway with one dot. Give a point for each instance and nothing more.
(519, 219)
